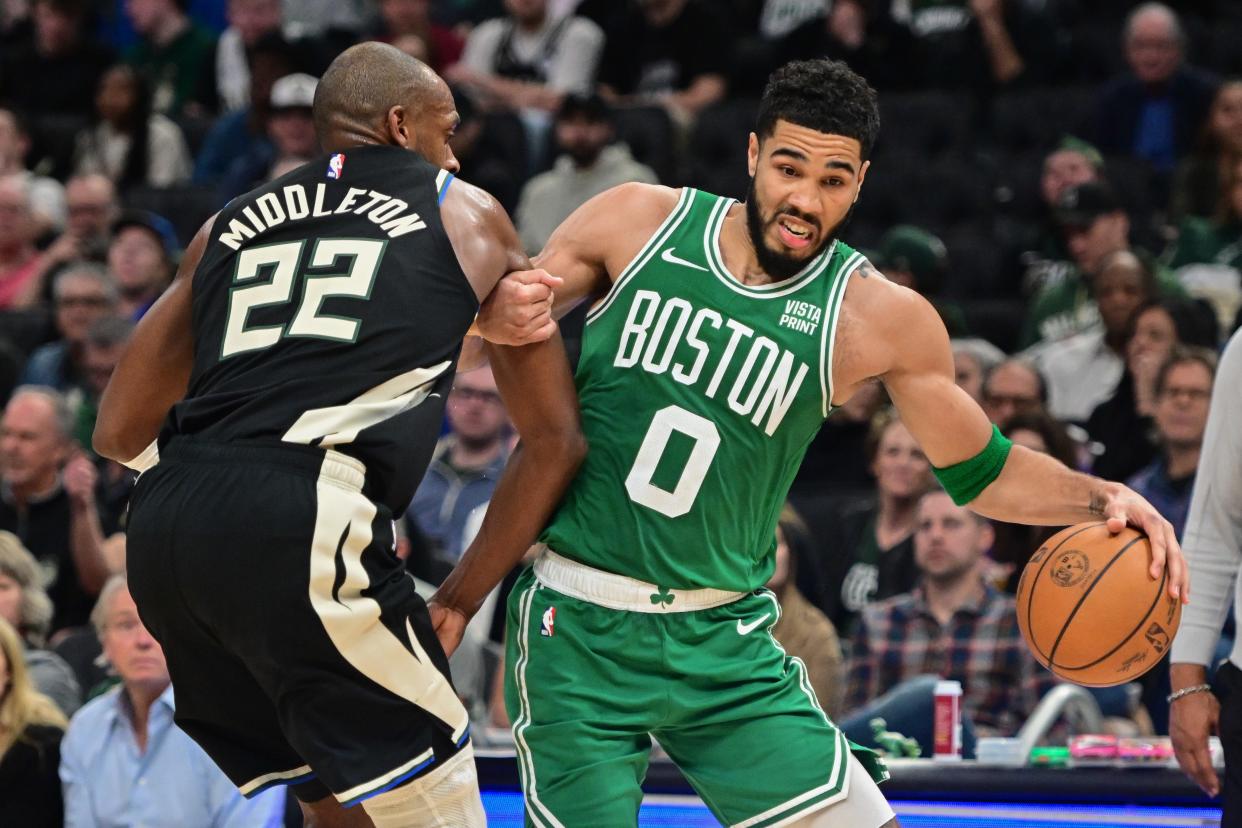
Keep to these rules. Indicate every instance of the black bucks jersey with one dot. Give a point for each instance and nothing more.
(329, 310)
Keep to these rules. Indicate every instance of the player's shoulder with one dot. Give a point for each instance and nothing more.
(638, 203)
(872, 297)
(471, 202)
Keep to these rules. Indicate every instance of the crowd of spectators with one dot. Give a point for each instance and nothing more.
(1061, 178)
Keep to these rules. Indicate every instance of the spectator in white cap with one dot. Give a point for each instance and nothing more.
(290, 133)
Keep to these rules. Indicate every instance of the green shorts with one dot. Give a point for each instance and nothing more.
(587, 687)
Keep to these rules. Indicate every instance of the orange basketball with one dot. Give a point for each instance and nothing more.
(1090, 612)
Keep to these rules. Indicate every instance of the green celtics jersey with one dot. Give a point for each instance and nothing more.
(699, 397)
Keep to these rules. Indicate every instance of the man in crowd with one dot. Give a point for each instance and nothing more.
(124, 762)
(464, 470)
(953, 625)
(82, 293)
(529, 59)
(91, 206)
(1183, 390)
(1155, 110)
(590, 164)
(173, 53)
(47, 499)
(1014, 386)
(1095, 225)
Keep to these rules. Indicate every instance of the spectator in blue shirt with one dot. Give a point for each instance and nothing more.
(1183, 390)
(463, 471)
(124, 762)
(1154, 111)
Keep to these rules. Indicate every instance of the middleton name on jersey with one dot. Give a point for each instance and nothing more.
(271, 210)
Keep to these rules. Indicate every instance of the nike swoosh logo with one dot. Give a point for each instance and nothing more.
(668, 256)
(746, 629)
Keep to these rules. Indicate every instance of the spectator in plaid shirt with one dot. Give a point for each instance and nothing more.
(953, 625)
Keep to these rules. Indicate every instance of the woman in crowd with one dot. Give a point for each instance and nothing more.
(31, 727)
(1197, 188)
(128, 143)
(1122, 424)
(25, 605)
(872, 556)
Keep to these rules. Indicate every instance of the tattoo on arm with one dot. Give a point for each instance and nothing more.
(1096, 506)
(867, 269)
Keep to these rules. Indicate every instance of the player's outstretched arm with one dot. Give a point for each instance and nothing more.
(908, 348)
(537, 387)
(592, 245)
(154, 371)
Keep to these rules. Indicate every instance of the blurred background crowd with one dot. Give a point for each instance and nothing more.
(1061, 178)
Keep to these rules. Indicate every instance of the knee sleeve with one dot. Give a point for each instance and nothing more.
(448, 797)
(863, 807)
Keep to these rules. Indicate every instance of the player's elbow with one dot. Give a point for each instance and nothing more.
(106, 441)
(112, 440)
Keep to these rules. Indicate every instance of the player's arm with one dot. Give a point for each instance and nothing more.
(592, 245)
(538, 390)
(475, 223)
(154, 371)
(899, 336)
(535, 382)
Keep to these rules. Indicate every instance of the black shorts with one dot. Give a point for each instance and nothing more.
(299, 651)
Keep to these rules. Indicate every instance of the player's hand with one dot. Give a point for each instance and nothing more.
(449, 625)
(1192, 719)
(79, 478)
(1123, 506)
(518, 311)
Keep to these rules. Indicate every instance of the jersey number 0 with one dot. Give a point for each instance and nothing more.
(355, 280)
(706, 438)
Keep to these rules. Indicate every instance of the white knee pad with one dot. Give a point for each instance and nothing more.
(448, 797)
(863, 807)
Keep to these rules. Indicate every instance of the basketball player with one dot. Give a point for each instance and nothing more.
(723, 336)
(305, 351)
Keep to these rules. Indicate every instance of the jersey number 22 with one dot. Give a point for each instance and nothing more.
(355, 280)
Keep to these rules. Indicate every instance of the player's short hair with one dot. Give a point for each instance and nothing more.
(824, 95)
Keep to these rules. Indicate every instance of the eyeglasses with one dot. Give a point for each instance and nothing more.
(468, 394)
(1192, 394)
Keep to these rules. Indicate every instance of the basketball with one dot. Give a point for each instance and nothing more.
(1088, 609)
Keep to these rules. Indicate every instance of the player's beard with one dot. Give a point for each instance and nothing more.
(777, 264)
